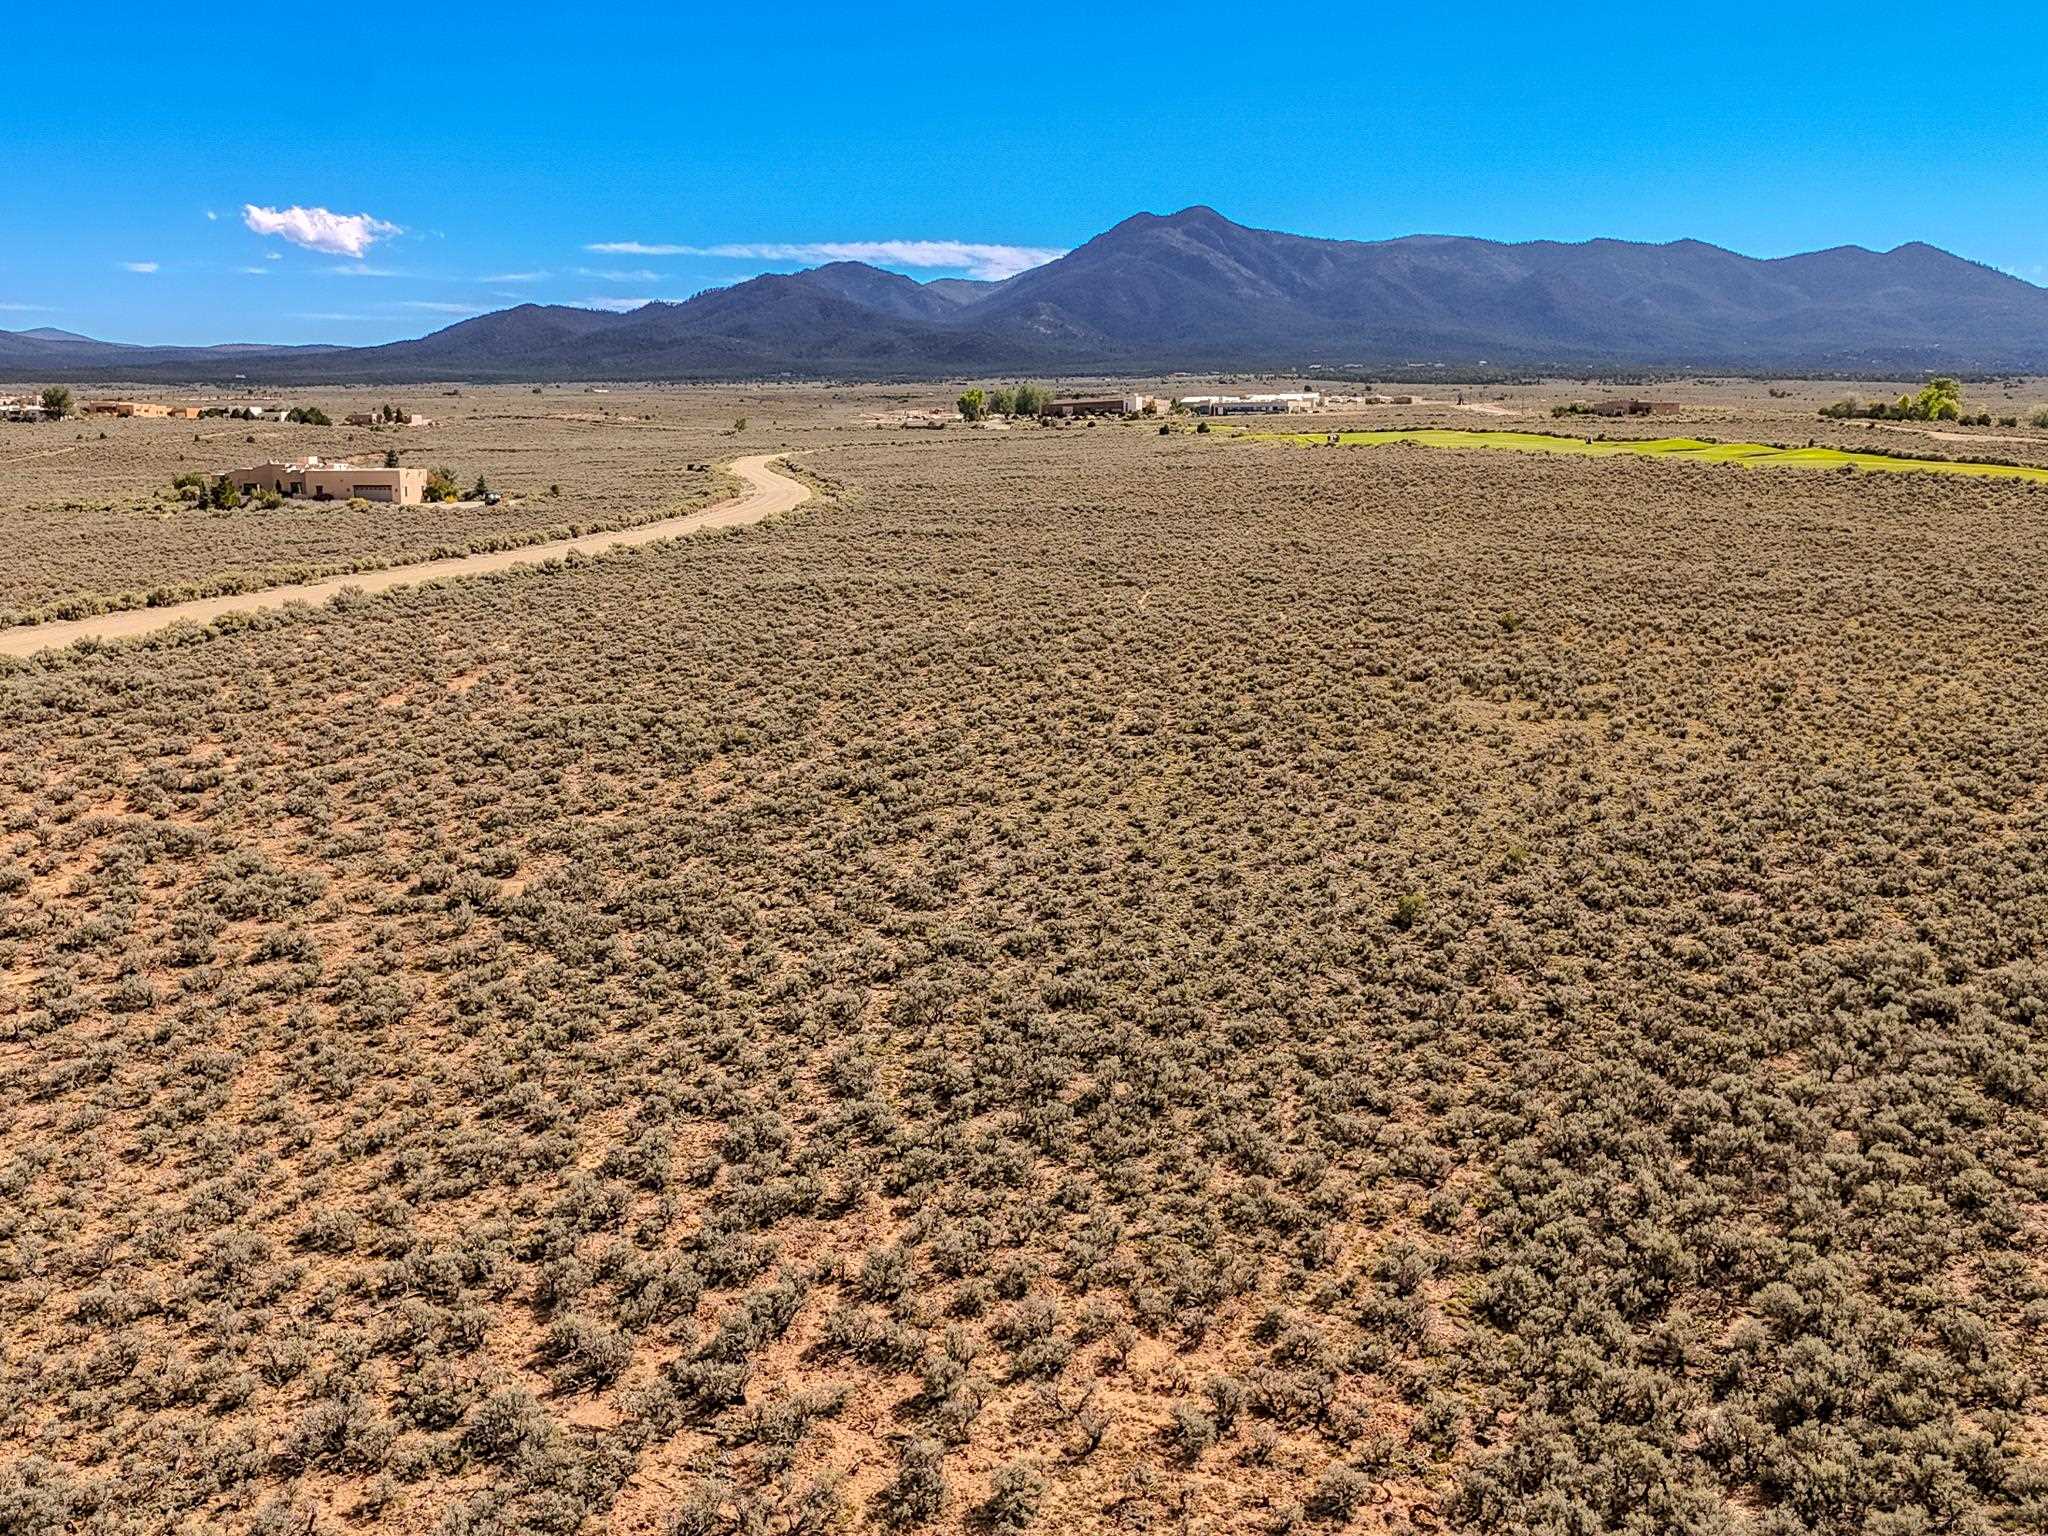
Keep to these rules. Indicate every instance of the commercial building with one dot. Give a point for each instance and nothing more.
(1252, 405)
(320, 481)
(1097, 405)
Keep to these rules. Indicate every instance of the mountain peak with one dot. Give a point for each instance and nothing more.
(1197, 216)
(1191, 289)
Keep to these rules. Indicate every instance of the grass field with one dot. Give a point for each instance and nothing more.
(1686, 448)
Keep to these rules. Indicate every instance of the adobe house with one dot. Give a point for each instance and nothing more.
(124, 408)
(317, 481)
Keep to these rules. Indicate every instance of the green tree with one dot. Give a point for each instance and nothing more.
(1941, 400)
(441, 485)
(57, 400)
(1003, 403)
(1032, 399)
(391, 458)
(973, 405)
(226, 494)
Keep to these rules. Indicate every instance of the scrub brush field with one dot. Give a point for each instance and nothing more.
(1082, 981)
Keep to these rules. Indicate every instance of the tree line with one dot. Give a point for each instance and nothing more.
(1023, 400)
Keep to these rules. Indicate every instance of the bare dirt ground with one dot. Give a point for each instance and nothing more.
(767, 494)
(1949, 436)
(1479, 407)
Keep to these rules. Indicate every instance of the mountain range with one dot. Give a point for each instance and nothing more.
(1194, 291)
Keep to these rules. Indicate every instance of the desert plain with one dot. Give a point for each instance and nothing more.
(1081, 979)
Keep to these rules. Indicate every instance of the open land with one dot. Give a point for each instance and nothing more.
(1081, 980)
(1692, 450)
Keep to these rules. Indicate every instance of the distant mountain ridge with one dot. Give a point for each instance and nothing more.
(1192, 290)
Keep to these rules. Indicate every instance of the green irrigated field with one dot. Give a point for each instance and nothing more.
(1668, 447)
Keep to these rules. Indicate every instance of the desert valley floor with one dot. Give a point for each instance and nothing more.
(1080, 980)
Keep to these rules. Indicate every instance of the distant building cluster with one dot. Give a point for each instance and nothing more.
(1200, 405)
(320, 480)
(28, 408)
(375, 419)
(1252, 405)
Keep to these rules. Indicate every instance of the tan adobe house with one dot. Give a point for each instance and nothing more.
(124, 408)
(318, 481)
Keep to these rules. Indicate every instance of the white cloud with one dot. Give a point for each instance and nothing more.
(338, 234)
(513, 277)
(26, 309)
(347, 269)
(440, 308)
(636, 248)
(980, 260)
(638, 275)
(139, 266)
(254, 271)
(211, 216)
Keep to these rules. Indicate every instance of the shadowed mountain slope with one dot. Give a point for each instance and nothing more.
(1194, 290)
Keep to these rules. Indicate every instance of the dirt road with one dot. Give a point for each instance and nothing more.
(1948, 437)
(1483, 407)
(767, 493)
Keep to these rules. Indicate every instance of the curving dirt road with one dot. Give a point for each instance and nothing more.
(767, 493)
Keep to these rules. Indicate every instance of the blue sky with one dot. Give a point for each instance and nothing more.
(493, 150)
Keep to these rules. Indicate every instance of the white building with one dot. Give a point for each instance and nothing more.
(1251, 405)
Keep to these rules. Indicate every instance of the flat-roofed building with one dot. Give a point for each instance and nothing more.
(1092, 405)
(1252, 405)
(124, 408)
(316, 480)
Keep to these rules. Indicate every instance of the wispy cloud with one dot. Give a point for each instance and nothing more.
(139, 266)
(317, 229)
(633, 275)
(974, 257)
(640, 248)
(440, 308)
(254, 271)
(349, 269)
(26, 309)
(513, 277)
